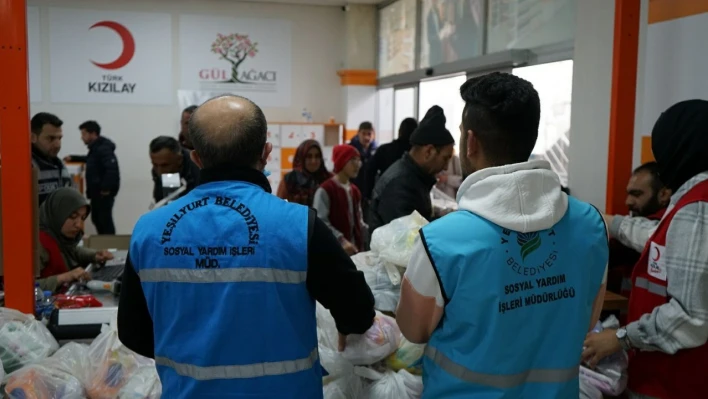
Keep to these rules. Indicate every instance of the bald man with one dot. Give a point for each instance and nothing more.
(220, 285)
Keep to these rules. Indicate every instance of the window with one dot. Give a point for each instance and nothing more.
(384, 122)
(404, 106)
(451, 30)
(444, 92)
(554, 84)
(397, 24)
(517, 24)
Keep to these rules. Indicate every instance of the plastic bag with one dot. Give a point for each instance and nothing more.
(384, 279)
(143, 384)
(112, 366)
(609, 375)
(23, 340)
(72, 359)
(374, 345)
(389, 384)
(394, 242)
(442, 203)
(408, 356)
(43, 381)
(347, 387)
(588, 391)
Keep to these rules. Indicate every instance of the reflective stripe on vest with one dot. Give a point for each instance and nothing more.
(501, 381)
(240, 371)
(234, 275)
(654, 288)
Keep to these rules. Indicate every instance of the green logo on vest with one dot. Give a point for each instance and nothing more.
(529, 242)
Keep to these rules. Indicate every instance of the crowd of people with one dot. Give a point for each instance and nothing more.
(519, 255)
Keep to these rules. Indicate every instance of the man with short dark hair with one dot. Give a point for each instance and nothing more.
(387, 154)
(405, 186)
(46, 135)
(102, 175)
(504, 290)
(365, 142)
(184, 127)
(239, 270)
(167, 156)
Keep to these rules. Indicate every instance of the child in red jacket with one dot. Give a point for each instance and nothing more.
(338, 201)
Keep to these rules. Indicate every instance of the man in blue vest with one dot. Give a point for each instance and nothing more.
(505, 289)
(220, 285)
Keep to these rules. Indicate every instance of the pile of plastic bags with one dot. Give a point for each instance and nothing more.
(609, 377)
(393, 242)
(104, 370)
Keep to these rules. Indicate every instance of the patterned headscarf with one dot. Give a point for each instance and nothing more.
(301, 183)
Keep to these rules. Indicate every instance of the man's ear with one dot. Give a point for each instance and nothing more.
(664, 196)
(267, 149)
(195, 158)
(472, 144)
(33, 137)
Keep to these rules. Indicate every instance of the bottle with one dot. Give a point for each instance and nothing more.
(38, 301)
(48, 304)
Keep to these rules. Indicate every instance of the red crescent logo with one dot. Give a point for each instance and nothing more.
(658, 254)
(128, 45)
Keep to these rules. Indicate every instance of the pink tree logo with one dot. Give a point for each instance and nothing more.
(234, 48)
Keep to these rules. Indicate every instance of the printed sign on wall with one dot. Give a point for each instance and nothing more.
(248, 57)
(110, 57)
(34, 55)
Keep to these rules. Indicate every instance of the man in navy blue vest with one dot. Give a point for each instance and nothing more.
(505, 289)
(220, 285)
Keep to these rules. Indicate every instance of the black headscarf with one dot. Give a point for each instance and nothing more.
(680, 142)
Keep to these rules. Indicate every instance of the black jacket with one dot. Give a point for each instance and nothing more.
(332, 279)
(102, 173)
(52, 174)
(383, 158)
(402, 189)
(189, 172)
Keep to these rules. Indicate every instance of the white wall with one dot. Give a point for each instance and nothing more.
(318, 41)
(590, 114)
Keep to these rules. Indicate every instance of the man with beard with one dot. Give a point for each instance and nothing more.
(184, 127)
(46, 137)
(647, 197)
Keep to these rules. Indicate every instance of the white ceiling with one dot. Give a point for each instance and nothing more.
(337, 3)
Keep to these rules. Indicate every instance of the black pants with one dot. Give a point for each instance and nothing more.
(102, 214)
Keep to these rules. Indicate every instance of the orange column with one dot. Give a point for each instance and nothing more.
(622, 103)
(16, 180)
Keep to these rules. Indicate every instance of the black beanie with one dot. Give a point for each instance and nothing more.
(431, 130)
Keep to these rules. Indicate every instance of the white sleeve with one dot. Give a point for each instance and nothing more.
(421, 274)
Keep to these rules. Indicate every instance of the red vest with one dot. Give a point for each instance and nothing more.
(628, 268)
(339, 211)
(56, 263)
(656, 374)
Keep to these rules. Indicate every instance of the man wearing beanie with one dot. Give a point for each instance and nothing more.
(405, 186)
(338, 201)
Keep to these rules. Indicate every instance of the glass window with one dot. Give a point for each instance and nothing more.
(384, 123)
(518, 24)
(554, 84)
(444, 92)
(397, 37)
(404, 106)
(451, 30)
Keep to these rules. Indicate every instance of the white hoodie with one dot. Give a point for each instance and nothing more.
(522, 197)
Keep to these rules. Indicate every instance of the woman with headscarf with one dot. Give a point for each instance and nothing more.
(61, 228)
(667, 326)
(308, 173)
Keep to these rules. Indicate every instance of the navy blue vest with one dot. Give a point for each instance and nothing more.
(223, 270)
(518, 305)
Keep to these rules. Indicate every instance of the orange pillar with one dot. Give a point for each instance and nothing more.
(622, 103)
(16, 180)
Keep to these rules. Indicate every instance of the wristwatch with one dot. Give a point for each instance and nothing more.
(623, 338)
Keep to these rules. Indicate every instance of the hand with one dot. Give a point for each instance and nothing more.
(105, 193)
(103, 255)
(73, 275)
(600, 345)
(342, 342)
(442, 178)
(349, 248)
(67, 158)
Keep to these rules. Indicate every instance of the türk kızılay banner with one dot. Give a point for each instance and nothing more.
(110, 57)
(247, 57)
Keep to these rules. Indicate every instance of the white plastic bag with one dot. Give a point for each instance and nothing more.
(589, 391)
(143, 384)
(384, 279)
(113, 366)
(346, 387)
(23, 340)
(376, 344)
(610, 374)
(43, 381)
(72, 359)
(394, 242)
(390, 384)
(408, 356)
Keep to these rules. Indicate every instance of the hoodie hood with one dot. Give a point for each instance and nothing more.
(522, 197)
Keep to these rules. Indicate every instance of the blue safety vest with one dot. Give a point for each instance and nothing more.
(517, 306)
(223, 270)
